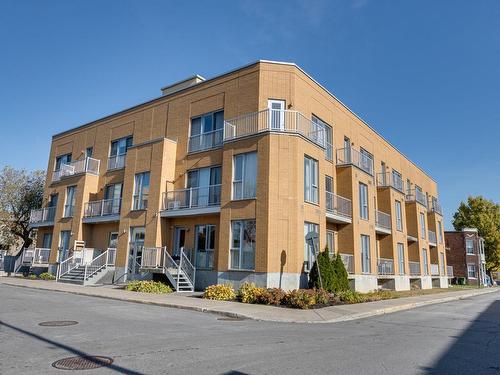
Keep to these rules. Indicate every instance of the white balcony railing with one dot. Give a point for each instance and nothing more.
(414, 268)
(206, 141)
(385, 266)
(36, 256)
(102, 208)
(348, 260)
(196, 197)
(116, 161)
(416, 196)
(328, 151)
(434, 269)
(351, 156)
(383, 220)
(390, 180)
(338, 205)
(43, 215)
(449, 271)
(274, 120)
(432, 237)
(87, 165)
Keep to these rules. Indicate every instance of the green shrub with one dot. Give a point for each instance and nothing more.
(326, 271)
(341, 277)
(148, 286)
(31, 277)
(272, 296)
(300, 298)
(220, 292)
(322, 297)
(249, 292)
(351, 296)
(47, 276)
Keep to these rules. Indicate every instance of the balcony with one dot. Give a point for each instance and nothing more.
(106, 210)
(348, 260)
(205, 141)
(351, 156)
(383, 223)
(274, 120)
(390, 180)
(435, 206)
(434, 269)
(416, 196)
(116, 162)
(449, 271)
(414, 268)
(385, 266)
(432, 238)
(191, 201)
(87, 165)
(42, 217)
(338, 209)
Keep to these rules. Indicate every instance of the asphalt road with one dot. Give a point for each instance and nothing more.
(461, 337)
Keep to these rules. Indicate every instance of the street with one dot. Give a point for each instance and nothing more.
(459, 337)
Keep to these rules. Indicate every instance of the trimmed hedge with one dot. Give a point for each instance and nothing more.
(148, 286)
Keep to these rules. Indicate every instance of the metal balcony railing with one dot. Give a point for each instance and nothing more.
(432, 237)
(102, 208)
(348, 260)
(434, 269)
(275, 120)
(206, 141)
(195, 197)
(414, 268)
(416, 196)
(449, 271)
(116, 161)
(435, 206)
(328, 151)
(351, 156)
(87, 165)
(385, 266)
(383, 220)
(43, 215)
(390, 180)
(338, 205)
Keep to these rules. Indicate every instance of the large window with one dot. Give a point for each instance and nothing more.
(63, 159)
(112, 199)
(64, 243)
(118, 151)
(206, 131)
(401, 258)
(310, 180)
(320, 125)
(440, 230)
(330, 242)
(469, 246)
(365, 254)
(205, 246)
(141, 191)
(422, 226)
(425, 262)
(309, 250)
(363, 201)
(245, 176)
(203, 187)
(399, 216)
(471, 271)
(69, 207)
(47, 241)
(243, 245)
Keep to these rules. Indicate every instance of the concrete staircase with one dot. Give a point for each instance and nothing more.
(73, 271)
(77, 274)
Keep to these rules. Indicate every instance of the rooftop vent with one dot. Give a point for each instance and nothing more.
(181, 85)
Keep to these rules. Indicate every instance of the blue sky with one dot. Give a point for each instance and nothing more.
(425, 74)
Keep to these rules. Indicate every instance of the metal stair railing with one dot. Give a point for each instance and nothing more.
(67, 265)
(97, 264)
(187, 268)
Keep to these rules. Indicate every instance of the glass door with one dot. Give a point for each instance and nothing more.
(64, 245)
(276, 114)
(179, 241)
(204, 245)
(112, 196)
(137, 235)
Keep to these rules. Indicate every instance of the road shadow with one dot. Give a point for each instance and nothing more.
(476, 350)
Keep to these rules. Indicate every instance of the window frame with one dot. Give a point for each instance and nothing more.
(138, 193)
(398, 207)
(311, 180)
(471, 241)
(401, 258)
(239, 249)
(423, 227)
(364, 209)
(365, 260)
(242, 181)
(468, 271)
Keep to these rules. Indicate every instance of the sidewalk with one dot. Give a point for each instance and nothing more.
(330, 314)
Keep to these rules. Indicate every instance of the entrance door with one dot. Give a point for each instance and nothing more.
(179, 241)
(64, 244)
(137, 235)
(276, 114)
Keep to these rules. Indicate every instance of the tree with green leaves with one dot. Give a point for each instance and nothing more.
(483, 214)
(325, 270)
(20, 192)
(341, 283)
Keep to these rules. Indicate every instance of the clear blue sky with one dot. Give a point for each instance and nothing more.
(425, 74)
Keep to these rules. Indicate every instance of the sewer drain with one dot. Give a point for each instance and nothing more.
(82, 363)
(58, 323)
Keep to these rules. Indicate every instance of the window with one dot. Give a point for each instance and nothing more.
(365, 254)
(47, 241)
(329, 193)
(64, 239)
(51, 213)
(113, 198)
(63, 159)
(383, 177)
(366, 160)
(118, 151)
(422, 226)
(89, 152)
(397, 180)
(204, 246)
(330, 235)
(204, 185)
(399, 216)
(309, 250)
(363, 201)
(408, 186)
(69, 207)
(425, 262)
(319, 126)
(276, 114)
(471, 271)
(206, 131)
(401, 258)
(440, 230)
(245, 176)
(469, 246)
(243, 245)
(347, 150)
(441, 263)
(113, 240)
(141, 191)
(310, 180)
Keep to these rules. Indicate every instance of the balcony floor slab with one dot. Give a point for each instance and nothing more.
(190, 211)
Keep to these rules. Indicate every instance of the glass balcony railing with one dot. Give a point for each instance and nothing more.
(338, 205)
(390, 180)
(43, 215)
(87, 165)
(416, 195)
(195, 197)
(103, 207)
(351, 156)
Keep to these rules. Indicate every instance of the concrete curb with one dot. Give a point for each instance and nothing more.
(136, 298)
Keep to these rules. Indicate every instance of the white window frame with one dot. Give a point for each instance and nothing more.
(239, 249)
(440, 229)
(425, 262)
(365, 254)
(423, 228)
(70, 201)
(364, 212)
(210, 229)
(309, 255)
(311, 180)
(330, 241)
(469, 241)
(242, 181)
(469, 272)
(399, 215)
(139, 198)
(401, 258)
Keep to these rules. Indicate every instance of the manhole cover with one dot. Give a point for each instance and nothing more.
(82, 363)
(58, 323)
